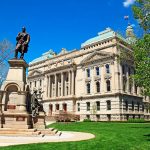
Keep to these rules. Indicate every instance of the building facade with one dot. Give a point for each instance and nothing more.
(90, 82)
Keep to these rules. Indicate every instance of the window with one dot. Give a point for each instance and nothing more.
(123, 69)
(57, 106)
(97, 71)
(129, 71)
(132, 106)
(124, 84)
(98, 106)
(88, 88)
(138, 106)
(35, 83)
(40, 82)
(88, 106)
(88, 72)
(109, 105)
(107, 68)
(51, 108)
(143, 107)
(78, 106)
(67, 90)
(97, 87)
(126, 105)
(65, 107)
(135, 86)
(108, 85)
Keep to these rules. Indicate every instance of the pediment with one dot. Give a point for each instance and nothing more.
(97, 56)
(35, 72)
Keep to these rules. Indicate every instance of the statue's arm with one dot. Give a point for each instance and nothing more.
(28, 39)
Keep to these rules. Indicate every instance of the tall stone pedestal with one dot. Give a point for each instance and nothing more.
(13, 95)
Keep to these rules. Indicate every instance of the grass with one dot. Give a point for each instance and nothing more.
(109, 136)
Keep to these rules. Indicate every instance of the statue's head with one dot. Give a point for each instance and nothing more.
(23, 29)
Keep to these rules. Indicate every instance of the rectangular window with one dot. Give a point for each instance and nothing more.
(108, 105)
(98, 106)
(126, 105)
(138, 106)
(88, 106)
(57, 106)
(78, 104)
(88, 72)
(40, 82)
(88, 88)
(132, 106)
(35, 83)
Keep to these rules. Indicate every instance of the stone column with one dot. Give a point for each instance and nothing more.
(72, 88)
(50, 86)
(121, 78)
(62, 83)
(69, 79)
(102, 86)
(47, 89)
(55, 85)
(127, 74)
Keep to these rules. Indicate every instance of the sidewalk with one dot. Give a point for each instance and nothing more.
(66, 136)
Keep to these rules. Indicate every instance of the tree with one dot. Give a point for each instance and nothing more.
(141, 11)
(6, 50)
(141, 48)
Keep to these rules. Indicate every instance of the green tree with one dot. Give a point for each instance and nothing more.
(141, 11)
(141, 48)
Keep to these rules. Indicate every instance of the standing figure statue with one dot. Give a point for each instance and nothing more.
(36, 106)
(23, 40)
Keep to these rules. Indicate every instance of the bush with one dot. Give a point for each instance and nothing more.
(136, 121)
(87, 120)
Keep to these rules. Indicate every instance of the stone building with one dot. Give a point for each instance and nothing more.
(90, 82)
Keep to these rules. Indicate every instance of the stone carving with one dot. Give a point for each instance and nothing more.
(36, 105)
(23, 40)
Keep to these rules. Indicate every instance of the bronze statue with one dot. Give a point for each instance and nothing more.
(23, 40)
(36, 106)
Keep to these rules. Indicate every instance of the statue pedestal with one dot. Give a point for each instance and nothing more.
(39, 121)
(14, 97)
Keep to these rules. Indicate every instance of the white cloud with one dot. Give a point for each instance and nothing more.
(127, 3)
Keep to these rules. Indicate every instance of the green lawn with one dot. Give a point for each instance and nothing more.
(109, 136)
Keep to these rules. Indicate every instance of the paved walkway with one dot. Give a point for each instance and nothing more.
(66, 136)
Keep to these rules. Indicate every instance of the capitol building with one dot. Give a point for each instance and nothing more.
(91, 82)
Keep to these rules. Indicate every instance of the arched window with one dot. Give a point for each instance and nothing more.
(107, 68)
(88, 88)
(88, 72)
(97, 87)
(108, 85)
(97, 71)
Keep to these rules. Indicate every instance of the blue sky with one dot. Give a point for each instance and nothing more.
(56, 24)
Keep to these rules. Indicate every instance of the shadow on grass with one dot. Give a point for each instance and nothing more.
(148, 136)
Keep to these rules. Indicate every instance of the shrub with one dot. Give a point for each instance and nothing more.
(87, 120)
(136, 120)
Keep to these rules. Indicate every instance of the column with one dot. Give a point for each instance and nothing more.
(102, 86)
(50, 86)
(62, 83)
(121, 78)
(47, 89)
(69, 83)
(127, 75)
(55, 85)
(72, 88)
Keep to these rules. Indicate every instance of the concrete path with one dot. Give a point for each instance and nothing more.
(66, 136)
